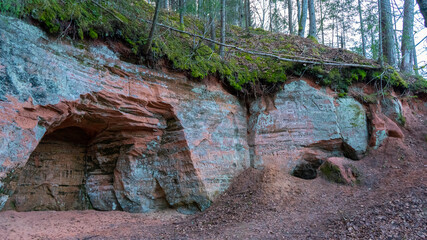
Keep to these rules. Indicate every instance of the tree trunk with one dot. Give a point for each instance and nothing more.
(362, 31)
(423, 8)
(396, 40)
(147, 47)
(321, 23)
(181, 12)
(373, 49)
(342, 30)
(337, 25)
(298, 13)
(271, 16)
(241, 10)
(414, 56)
(163, 4)
(388, 48)
(333, 31)
(303, 20)
(407, 36)
(213, 30)
(200, 9)
(312, 32)
(247, 15)
(221, 48)
(291, 28)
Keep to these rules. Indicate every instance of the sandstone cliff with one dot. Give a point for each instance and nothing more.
(80, 129)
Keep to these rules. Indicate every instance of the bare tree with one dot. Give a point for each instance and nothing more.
(181, 11)
(387, 39)
(407, 37)
(312, 32)
(298, 12)
(147, 47)
(322, 27)
(362, 31)
(291, 27)
(303, 19)
(221, 48)
(247, 14)
(212, 11)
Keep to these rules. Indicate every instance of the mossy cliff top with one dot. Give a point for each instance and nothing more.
(245, 73)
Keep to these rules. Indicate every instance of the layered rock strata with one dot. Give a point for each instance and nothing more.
(154, 140)
(80, 129)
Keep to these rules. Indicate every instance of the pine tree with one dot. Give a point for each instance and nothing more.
(290, 22)
(221, 48)
(362, 31)
(303, 19)
(312, 30)
(407, 37)
(387, 39)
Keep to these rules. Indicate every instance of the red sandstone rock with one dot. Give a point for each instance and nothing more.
(154, 138)
(339, 170)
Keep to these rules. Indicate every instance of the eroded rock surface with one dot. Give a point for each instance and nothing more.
(81, 129)
(302, 117)
(153, 139)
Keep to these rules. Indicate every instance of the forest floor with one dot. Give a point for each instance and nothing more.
(391, 203)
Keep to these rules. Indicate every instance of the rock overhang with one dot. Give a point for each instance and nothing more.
(184, 141)
(92, 89)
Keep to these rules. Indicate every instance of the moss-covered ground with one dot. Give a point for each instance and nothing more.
(121, 20)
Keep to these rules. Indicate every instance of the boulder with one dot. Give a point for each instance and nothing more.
(392, 108)
(339, 170)
(353, 125)
(382, 127)
(301, 117)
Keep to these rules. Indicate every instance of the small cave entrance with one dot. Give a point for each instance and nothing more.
(55, 175)
(307, 170)
(109, 153)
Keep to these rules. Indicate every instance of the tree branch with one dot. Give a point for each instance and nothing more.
(264, 54)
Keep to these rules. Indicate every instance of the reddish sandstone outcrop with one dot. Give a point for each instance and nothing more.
(153, 139)
(339, 170)
(382, 127)
(80, 128)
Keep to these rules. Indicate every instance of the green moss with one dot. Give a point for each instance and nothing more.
(93, 34)
(342, 95)
(259, 31)
(419, 85)
(121, 20)
(370, 98)
(401, 119)
(332, 173)
(80, 33)
(313, 39)
(392, 77)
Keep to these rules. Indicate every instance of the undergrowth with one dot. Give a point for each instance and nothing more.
(121, 20)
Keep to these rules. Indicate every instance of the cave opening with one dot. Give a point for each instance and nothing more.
(54, 177)
(307, 170)
(103, 159)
